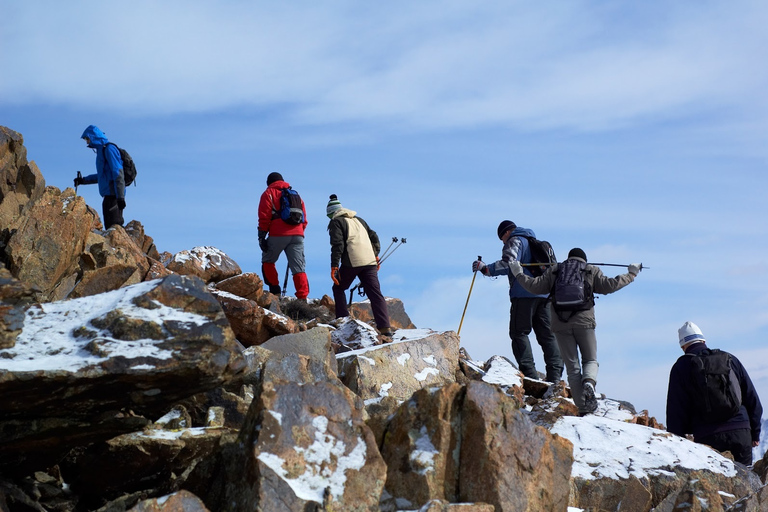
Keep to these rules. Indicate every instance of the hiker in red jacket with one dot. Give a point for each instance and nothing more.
(277, 235)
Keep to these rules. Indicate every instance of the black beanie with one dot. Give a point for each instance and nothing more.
(273, 177)
(577, 253)
(505, 226)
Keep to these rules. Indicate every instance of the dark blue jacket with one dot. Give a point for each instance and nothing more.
(516, 248)
(109, 164)
(682, 418)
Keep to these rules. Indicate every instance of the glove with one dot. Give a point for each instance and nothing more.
(635, 268)
(478, 266)
(378, 264)
(516, 268)
(334, 273)
(78, 181)
(263, 241)
(121, 203)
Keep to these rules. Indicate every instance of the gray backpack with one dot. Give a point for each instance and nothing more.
(571, 291)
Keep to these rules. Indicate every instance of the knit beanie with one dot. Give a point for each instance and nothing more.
(333, 205)
(577, 253)
(505, 226)
(689, 332)
(273, 177)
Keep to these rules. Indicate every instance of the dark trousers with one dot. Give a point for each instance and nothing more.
(738, 442)
(526, 314)
(112, 213)
(369, 278)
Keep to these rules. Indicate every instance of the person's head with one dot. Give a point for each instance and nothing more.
(505, 229)
(273, 177)
(577, 253)
(334, 205)
(93, 136)
(689, 334)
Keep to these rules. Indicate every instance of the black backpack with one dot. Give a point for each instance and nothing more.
(717, 390)
(571, 291)
(290, 210)
(129, 168)
(541, 252)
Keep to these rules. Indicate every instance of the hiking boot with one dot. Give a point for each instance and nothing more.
(388, 332)
(275, 289)
(590, 400)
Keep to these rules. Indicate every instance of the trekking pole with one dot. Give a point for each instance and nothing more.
(474, 275)
(616, 265)
(394, 241)
(79, 177)
(285, 282)
(381, 260)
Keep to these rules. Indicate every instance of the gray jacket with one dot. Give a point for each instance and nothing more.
(594, 277)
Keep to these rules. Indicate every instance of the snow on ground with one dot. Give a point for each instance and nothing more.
(606, 448)
(206, 255)
(47, 341)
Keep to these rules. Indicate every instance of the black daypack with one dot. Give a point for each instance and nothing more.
(129, 168)
(571, 291)
(718, 392)
(541, 252)
(290, 210)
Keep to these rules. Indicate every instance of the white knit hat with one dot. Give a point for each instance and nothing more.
(333, 205)
(688, 333)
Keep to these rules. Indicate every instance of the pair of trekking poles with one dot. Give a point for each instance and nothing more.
(389, 251)
(480, 258)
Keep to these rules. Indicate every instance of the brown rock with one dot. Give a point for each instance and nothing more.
(21, 183)
(247, 285)
(208, 263)
(508, 461)
(144, 242)
(398, 318)
(182, 501)
(15, 299)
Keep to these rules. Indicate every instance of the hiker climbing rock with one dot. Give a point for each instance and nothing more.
(711, 396)
(282, 221)
(527, 311)
(109, 175)
(573, 284)
(355, 254)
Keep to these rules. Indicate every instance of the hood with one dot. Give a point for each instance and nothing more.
(523, 232)
(344, 212)
(279, 184)
(95, 135)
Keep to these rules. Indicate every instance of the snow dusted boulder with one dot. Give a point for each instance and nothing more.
(314, 343)
(252, 323)
(77, 363)
(15, 299)
(417, 358)
(178, 501)
(304, 445)
(623, 466)
(247, 285)
(208, 263)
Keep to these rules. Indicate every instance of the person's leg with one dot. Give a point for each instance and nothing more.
(112, 213)
(738, 442)
(294, 251)
(520, 313)
(369, 277)
(345, 277)
(566, 342)
(275, 245)
(543, 329)
(587, 343)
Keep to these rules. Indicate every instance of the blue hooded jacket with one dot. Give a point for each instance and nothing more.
(515, 248)
(109, 164)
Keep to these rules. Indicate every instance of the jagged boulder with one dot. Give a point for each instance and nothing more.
(21, 183)
(45, 248)
(144, 242)
(247, 285)
(208, 263)
(398, 318)
(15, 298)
(77, 363)
(182, 501)
(252, 324)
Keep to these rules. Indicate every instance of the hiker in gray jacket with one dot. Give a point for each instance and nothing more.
(575, 330)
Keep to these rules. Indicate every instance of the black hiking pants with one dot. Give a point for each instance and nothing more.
(738, 442)
(112, 212)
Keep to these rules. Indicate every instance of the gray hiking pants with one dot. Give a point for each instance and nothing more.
(572, 342)
(294, 251)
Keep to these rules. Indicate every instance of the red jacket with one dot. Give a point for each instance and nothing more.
(268, 206)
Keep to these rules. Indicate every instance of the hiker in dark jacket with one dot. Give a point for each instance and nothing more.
(527, 311)
(737, 434)
(575, 331)
(109, 176)
(355, 254)
(277, 236)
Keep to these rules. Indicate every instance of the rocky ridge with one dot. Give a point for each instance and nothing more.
(137, 380)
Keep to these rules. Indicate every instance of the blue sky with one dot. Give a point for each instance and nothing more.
(637, 132)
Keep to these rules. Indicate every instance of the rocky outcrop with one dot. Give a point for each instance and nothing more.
(146, 347)
(21, 183)
(15, 298)
(208, 263)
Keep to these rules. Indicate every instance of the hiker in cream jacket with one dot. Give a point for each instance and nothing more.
(354, 254)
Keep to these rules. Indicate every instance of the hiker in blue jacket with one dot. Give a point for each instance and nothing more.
(527, 311)
(109, 176)
(737, 434)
